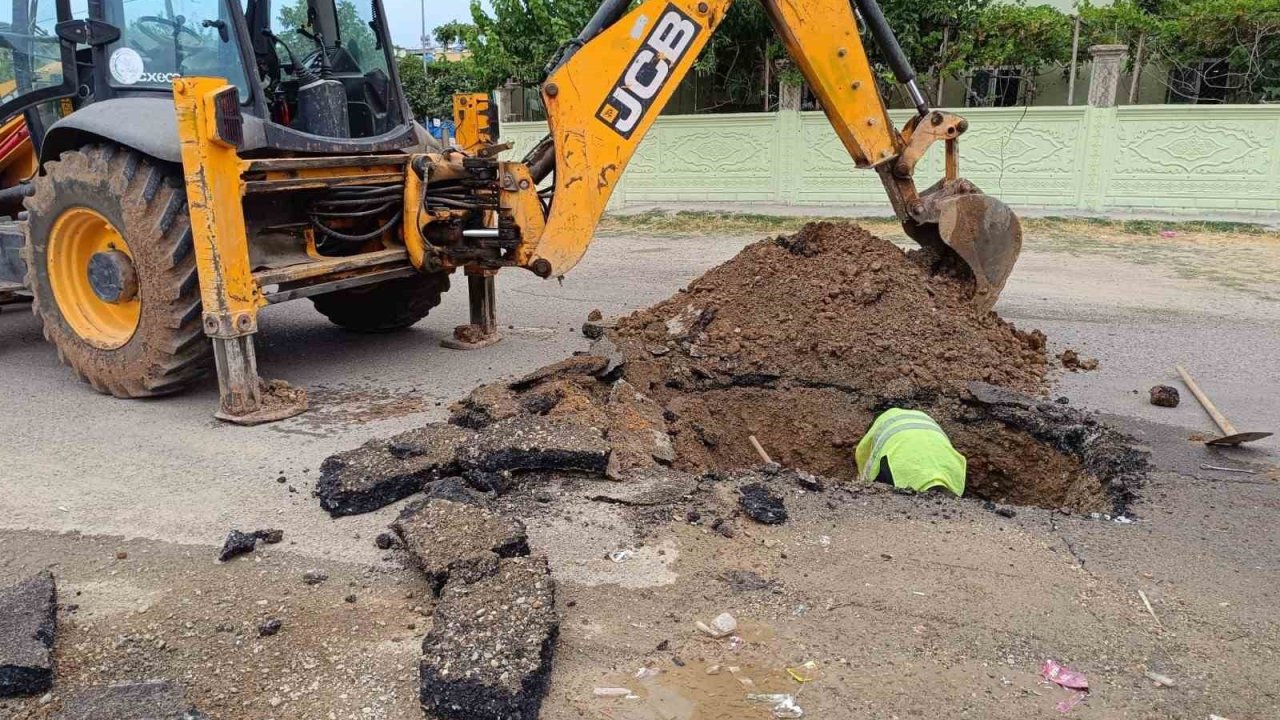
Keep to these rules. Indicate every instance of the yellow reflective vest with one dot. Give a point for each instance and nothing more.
(919, 452)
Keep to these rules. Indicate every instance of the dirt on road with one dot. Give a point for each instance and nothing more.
(864, 604)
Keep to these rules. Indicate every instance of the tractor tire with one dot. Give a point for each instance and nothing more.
(131, 328)
(384, 307)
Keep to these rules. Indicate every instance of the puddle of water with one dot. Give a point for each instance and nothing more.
(690, 693)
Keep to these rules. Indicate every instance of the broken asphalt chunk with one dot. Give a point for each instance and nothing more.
(488, 655)
(761, 504)
(537, 443)
(607, 349)
(589, 364)
(444, 537)
(237, 543)
(148, 700)
(381, 472)
(28, 622)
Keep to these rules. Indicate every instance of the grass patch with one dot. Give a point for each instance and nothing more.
(698, 222)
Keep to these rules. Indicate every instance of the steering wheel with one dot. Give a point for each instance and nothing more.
(175, 26)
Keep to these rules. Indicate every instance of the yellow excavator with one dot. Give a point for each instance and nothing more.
(202, 166)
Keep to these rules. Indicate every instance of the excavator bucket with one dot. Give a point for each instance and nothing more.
(971, 234)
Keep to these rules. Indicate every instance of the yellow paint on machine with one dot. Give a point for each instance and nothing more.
(212, 169)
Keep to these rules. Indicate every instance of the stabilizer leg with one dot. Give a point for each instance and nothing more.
(483, 329)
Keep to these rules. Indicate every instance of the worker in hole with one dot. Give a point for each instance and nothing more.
(907, 449)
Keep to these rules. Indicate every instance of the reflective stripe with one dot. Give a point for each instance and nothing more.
(894, 427)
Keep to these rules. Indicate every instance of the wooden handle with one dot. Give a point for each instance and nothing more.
(1223, 424)
(756, 444)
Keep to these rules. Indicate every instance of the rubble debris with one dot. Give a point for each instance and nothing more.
(536, 443)
(723, 625)
(1165, 396)
(443, 536)
(596, 325)
(807, 481)
(612, 692)
(455, 489)
(147, 700)
(647, 488)
(28, 623)
(607, 349)
(488, 654)
(270, 627)
(745, 580)
(637, 429)
(381, 472)
(589, 364)
(761, 504)
(1072, 361)
(1159, 679)
(314, 577)
(270, 536)
(237, 543)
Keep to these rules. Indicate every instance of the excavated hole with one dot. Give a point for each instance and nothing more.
(817, 429)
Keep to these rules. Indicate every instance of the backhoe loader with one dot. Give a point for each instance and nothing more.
(211, 159)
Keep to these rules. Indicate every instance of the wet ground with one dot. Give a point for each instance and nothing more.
(908, 607)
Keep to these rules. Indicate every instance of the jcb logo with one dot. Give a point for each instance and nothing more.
(648, 72)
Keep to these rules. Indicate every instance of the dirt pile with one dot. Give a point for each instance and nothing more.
(802, 341)
(832, 305)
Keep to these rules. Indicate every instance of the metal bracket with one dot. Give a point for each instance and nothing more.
(87, 32)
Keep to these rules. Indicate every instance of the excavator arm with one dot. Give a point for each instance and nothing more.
(608, 87)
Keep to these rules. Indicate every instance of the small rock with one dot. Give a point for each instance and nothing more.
(385, 541)
(595, 315)
(314, 577)
(809, 481)
(237, 543)
(282, 479)
(761, 504)
(270, 627)
(350, 599)
(544, 496)
(122, 555)
(270, 537)
(723, 625)
(1165, 396)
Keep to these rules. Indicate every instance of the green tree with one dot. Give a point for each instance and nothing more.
(1243, 34)
(430, 90)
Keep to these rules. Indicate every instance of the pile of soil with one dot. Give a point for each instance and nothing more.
(835, 305)
(802, 341)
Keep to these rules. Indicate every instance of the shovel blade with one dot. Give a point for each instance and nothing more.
(987, 237)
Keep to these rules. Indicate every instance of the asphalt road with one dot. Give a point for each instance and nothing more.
(73, 460)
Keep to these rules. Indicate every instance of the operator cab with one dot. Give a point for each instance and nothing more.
(312, 75)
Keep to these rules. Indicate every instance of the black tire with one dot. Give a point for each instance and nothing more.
(384, 307)
(146, 202)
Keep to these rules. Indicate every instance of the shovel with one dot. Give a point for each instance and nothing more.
(1230, 436)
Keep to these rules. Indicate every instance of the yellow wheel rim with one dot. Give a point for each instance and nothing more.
(77, 236)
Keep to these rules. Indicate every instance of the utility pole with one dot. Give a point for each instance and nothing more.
(423, 38)
(1075, 55)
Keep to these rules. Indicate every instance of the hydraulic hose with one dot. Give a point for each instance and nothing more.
(892, 51)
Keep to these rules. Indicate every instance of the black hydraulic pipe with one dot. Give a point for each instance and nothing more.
(541, 159)
(609, 12)
(892, 51)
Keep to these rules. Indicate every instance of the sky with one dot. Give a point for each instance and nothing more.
(405, 17)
